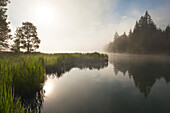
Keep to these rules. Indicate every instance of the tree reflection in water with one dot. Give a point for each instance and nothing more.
(144, 70)
(63, 66)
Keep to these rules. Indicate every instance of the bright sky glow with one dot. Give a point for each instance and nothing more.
(44, 14)
(83, 25)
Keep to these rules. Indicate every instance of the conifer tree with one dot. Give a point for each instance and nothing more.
(145, 38)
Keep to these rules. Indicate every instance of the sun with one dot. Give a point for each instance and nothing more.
(44, 15)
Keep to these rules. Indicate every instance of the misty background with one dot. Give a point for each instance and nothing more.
(84, 25)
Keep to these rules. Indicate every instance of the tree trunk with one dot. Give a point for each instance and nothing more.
(28, 48)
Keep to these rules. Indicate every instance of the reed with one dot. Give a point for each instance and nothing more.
(26, 74)
(8, 102)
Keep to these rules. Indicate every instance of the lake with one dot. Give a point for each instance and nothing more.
(126, 84)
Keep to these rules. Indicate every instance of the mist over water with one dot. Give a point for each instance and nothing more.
(129, 83)
(74, 51)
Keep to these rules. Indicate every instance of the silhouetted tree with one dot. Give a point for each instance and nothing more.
(17, 40)
(145, 38)
(167, 30)
(167, 35)
(120, 43)
(26, 37)
(141, 40)
(4, 25)
(116, 35)
(114, 46)
(111, 46)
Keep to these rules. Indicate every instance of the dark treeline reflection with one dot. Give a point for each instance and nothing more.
(66, 64)
(144, 70)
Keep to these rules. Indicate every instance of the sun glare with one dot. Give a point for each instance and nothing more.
(44, 15)
(47, 87)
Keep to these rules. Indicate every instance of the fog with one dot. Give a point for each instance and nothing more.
(80, 25)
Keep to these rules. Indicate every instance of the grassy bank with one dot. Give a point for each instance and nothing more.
(24, 74)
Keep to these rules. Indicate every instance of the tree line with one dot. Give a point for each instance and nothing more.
(25, 37)
(145, 38)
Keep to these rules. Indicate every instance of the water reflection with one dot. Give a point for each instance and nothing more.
(33, 102)
(34, 98)
(62, 67)
(144, 70)
(48, 88)
(128, 84)
(110, 89)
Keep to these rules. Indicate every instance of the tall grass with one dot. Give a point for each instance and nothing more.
(8, 102)
(26, 73)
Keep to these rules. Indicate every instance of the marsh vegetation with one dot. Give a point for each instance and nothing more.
(23, 76)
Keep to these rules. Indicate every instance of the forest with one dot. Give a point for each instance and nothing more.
(145, 38)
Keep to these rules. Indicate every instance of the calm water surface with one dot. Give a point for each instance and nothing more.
(129, 84)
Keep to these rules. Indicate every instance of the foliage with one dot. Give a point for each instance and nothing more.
(146, 38)
(26, 37)
(17, 41)
(4, 25)
(4, 2)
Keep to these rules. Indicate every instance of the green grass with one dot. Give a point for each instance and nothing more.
(26, 74)
(8, 102)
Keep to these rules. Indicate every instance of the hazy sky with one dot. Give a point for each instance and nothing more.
(83, 25)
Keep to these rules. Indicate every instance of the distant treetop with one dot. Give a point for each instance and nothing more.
(145, 38)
